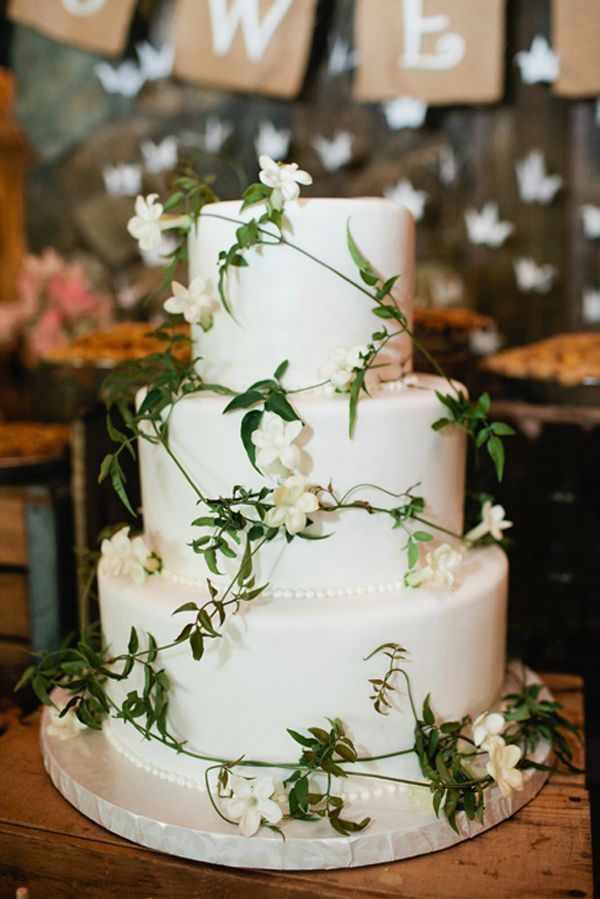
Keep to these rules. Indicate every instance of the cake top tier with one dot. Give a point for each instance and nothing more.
(287, 305)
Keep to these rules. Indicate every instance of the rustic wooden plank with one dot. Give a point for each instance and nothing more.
(13, 536)
(544, 851)
(14, 612)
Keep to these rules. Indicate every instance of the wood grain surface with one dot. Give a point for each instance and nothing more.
(48, 846)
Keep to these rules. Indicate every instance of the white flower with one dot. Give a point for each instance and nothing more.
(196, 302)
(492, 522)
(145, 224)
(341, 366)
(292, 504)
(277, 453)
(250, 803)
(501, 766)
(487, 728)
(283, 178)
(439, 565)
(65, 728)
(122, 556)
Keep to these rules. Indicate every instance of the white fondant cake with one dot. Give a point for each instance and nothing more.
(297, 654)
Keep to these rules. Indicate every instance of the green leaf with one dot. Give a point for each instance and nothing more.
(197, 645)
(299, 738)
(413, 553)
(359, 259)
(152, 397)
(211, 561)
(134, 642)
(384, 312)
(250, 422)
(244, 401)
(281, 369)
(355, 389)
(495, 448)
(278, 403)
(186, 607)
(428, 716)
(422, 536)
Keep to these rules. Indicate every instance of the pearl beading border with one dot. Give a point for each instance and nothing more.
(191, 783)
(307, 593)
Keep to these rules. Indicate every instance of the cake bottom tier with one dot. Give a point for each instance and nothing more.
(293, 663)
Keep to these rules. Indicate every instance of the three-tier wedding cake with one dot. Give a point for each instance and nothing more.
(296, 654)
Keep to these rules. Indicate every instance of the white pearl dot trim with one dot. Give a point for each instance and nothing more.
(192, 784)
(307, 593)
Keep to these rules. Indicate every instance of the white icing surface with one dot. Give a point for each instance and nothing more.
(287, 306)
(292, 663)
(393, 447)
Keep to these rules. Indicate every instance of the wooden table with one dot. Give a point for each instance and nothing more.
(48, 846)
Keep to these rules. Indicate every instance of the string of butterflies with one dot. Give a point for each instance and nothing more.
(484, 226)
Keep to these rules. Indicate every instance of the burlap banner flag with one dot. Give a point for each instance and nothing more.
(98, 25)
(244, 45)
(441, 51)
(576, 40)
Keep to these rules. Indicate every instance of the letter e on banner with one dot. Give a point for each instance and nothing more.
(441, 51)
(576, 40)
(97, 25)
(244, 45)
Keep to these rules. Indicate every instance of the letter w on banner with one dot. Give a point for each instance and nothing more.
(441, 51)
(244, 45)
(97, 25)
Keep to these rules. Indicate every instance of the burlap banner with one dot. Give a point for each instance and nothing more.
(576, 40)
(98, 25)
(244, 45)
(441, 51)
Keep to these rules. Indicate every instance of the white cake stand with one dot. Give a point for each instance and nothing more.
(99, 781)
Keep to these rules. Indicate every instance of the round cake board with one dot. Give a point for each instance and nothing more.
(108, 788)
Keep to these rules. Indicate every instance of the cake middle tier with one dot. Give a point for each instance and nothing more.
(394, 449)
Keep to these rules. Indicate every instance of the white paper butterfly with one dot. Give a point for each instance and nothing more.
(404, 112)
(272, 141)
(215, 134)
(159, 255)
(342, 58)
(539, 63)
(591, 220)
(446, 291)
(155, 62)
(484, 342)
(485, 228)
(591, 305)
(123, 179)
(448, 166)
(533, 278)
(83, 8)
(334, 153)
(161, 156)
(535, 185)
(405, 194)
(125, 79)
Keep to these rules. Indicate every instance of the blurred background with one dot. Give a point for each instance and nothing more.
(497, 154)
